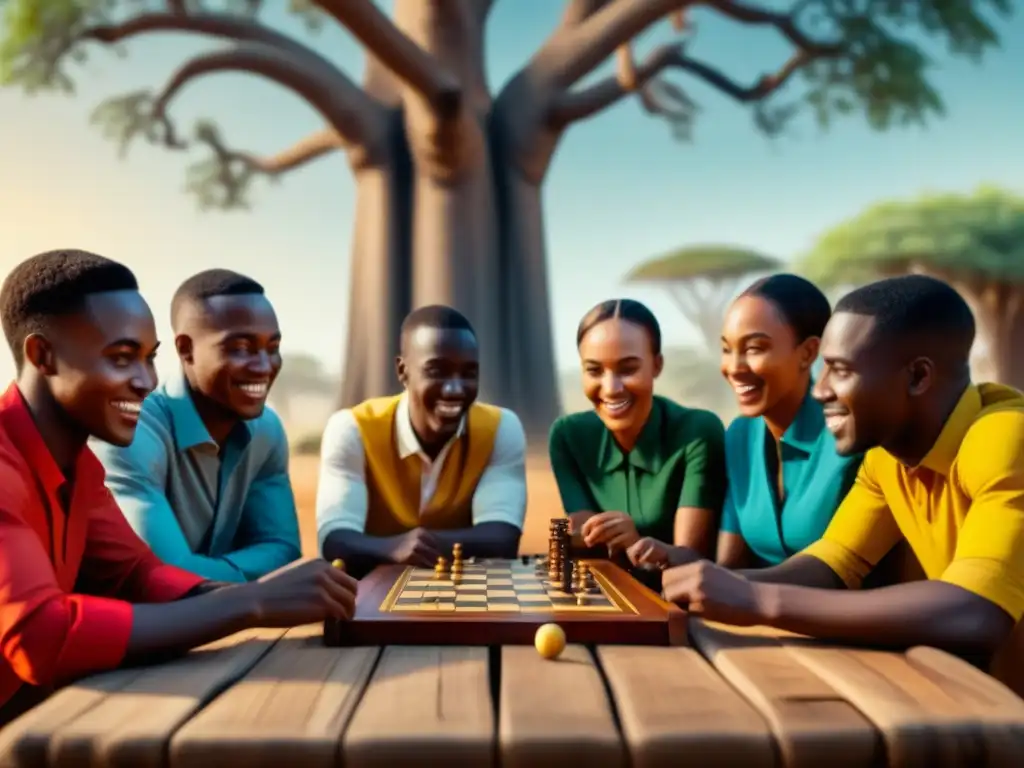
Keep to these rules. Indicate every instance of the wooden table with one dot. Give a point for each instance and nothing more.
(747, 699)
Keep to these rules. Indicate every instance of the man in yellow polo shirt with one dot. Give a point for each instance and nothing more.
(404, 478)
(945, 473)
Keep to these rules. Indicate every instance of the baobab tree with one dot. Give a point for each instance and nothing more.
(449, 175)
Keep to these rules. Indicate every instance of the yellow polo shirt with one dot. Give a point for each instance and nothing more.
(961, 510)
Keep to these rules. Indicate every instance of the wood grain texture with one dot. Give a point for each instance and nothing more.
(291, 708)
(555, 713)
(671, 702)
(130, 726)
(424, 706)
(812, 723)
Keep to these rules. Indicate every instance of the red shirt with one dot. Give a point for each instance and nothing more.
(69, 570)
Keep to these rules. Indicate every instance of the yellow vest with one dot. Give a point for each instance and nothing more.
(393, 483)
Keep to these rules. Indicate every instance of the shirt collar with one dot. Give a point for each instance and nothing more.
(806, 428)
(942, 453)
(22, 431)
(408, 443)
(189, 429)
(646, 453)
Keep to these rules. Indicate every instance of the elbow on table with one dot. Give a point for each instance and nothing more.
(34, 647)
(980, 629)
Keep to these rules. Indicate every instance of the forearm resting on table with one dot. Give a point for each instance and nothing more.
(169, 629)
(800, 570)
(933, 613)
(360, 551)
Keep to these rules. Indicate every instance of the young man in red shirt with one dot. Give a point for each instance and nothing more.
(79, 592)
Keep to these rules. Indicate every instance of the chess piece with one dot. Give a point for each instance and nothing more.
(441, 569)
(581, 598)
(456, 560)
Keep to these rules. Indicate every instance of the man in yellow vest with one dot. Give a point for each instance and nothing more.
(403, 478)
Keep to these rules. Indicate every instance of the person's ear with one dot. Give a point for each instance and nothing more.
(921, 376)
(401, 371)
(659, 364)
(38, 352)
(183, 345)
(808, 352)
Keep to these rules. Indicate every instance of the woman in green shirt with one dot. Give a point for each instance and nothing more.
(638, 465)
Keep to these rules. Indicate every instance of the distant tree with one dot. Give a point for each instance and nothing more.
(702, 280)
(448, 174)
(301, 374)
(974, 242)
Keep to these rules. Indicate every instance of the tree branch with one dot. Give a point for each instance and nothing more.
(311, 148)
(410, 63)
(353, 111)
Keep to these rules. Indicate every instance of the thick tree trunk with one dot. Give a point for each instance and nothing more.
(380, 275)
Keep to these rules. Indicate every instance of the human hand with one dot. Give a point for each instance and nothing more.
(418, 547)
(715, 593)
(649, 552)
(303, 592)
(614, 529)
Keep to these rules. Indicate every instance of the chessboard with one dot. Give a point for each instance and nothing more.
(502, 602)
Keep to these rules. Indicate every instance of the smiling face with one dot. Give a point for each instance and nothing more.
(230, 348)
(440, 370)
(99, 363)
(619, 369)
(865, 388)
(761, 357)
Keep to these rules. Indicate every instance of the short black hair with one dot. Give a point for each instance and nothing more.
(629, 310)
(209, 283)
(437, 316)
(801, 303)
(53, 284)
(916, 307)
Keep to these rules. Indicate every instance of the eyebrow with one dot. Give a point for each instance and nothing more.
(750, 336)
(630, 358)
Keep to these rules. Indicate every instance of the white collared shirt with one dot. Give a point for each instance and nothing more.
(342, 499)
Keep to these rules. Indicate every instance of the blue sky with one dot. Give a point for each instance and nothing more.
(620, 189)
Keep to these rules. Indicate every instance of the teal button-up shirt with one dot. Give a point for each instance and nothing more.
(814, 477)
(226, 514)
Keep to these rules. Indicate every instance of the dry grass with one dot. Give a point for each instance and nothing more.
(543, 502)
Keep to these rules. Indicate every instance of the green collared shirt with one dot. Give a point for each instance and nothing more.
(678, 461)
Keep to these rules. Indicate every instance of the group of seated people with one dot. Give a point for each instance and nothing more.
(139, 520)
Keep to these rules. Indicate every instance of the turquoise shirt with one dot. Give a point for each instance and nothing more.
(226, 514)
(814, 476)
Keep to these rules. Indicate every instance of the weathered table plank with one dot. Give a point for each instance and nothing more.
(675, 709)
(424, 706)
(812, 723)
(552, 713)
(291, 708)
(923, 719)
(129, 722)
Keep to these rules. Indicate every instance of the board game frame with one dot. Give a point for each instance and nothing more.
(647, 619)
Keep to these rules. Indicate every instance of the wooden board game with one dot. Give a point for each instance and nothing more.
(502, 602)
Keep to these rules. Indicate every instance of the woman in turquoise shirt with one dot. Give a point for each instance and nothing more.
(785, 478)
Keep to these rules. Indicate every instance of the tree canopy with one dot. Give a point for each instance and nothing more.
(866, 59)
(978, 235)
(707, 261)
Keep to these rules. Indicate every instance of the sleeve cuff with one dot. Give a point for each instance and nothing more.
(165, 583)
(988, 579)
(98, 636)
(846, 564)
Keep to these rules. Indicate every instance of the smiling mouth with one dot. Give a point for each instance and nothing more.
(450, 410)
(746, 391)
(255, 390)
(129, 408)
(835, 421)
(618, 406)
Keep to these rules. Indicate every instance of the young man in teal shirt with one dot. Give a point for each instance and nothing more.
(205, 481)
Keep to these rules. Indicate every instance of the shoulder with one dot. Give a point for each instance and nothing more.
(153, 442)
(510, 438)
(994, 443)
(688, 424)
(571, 426)
(15, 486)
(341, 436)
(739, 435)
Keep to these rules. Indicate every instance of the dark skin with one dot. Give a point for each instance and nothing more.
(896, 394)
(230, 351)
(80, 379)
(440, 371)
(769, 369)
